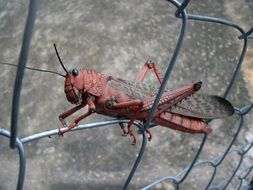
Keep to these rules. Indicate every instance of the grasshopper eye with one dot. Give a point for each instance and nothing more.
(75, 72)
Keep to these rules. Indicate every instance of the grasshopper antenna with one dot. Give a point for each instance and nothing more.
(64, 68)
(34, 69)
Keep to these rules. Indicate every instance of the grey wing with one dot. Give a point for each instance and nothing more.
(197, 105)
(135, 90)
(203, 106)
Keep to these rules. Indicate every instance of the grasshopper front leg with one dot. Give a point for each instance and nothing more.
(74, 124)
(68, 113)
(91, 109)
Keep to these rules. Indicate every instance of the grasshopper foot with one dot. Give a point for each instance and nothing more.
(61, 132)
(66, 129)
(134, 138)
(149, 134)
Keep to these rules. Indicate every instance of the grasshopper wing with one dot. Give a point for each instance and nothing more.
(196, 105)
(204, 106)
(133, 89)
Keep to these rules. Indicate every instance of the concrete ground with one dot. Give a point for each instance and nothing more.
(116, 38)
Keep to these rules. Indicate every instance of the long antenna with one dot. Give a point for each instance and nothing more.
(34, 69)
(60, 59)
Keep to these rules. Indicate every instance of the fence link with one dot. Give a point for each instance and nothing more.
(240, 174)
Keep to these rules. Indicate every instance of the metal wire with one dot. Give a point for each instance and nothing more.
(180, 177)
(20, 71)
(230, 24)
(171, 64)
(22, 159)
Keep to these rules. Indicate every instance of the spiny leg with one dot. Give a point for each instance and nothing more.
(130, 131)
(150, 64)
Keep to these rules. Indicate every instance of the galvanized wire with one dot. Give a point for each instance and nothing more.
(22, 159)
(20, 71)
(180, 177)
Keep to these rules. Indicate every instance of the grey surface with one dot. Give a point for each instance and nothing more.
(116, 38)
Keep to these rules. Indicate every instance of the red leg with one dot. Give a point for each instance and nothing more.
(68, 113)
(74, 124)
(131, 104)
(131, 132)
(150, 64)
(91, 109)
(149, 134)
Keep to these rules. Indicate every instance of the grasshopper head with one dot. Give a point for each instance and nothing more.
(71, 89)
(73, 83)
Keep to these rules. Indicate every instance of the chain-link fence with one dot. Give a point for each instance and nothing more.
(238, 176)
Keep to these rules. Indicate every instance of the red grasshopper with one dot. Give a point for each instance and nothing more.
(182, 109)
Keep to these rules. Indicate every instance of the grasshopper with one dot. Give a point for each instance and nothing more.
(182, 109)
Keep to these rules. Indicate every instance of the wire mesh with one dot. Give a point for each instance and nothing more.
(179, 178)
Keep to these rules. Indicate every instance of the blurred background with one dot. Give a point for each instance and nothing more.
(116, 38)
